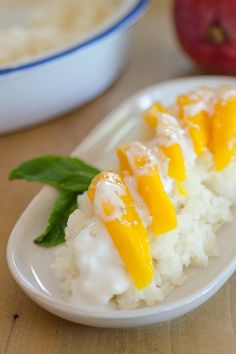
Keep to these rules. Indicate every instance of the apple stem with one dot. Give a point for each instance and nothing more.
(216, 34)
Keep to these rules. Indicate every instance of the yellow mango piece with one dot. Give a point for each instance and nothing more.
(150, 187)
(151, 115)
(181, 189)
(123, 160)
(198, 130)
(117, 212)
(176, 166)
(159, 205)
(224, 132)
(196, 123)
(182, 101)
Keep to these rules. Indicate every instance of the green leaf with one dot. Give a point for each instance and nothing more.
(65, 173)
(54, 234)
(69, 174)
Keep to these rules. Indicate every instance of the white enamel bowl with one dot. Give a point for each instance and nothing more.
(30, 265)
(35, 91)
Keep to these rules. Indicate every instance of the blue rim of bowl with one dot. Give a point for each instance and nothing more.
(127, 20)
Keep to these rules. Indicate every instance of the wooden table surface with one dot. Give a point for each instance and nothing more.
(24, 326)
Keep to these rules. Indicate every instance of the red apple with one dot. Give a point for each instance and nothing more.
(207, 32)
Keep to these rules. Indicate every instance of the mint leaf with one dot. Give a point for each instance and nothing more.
(65, 173)
(70, 175)
(54, 234)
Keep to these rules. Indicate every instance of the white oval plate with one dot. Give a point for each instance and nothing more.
(30, 265)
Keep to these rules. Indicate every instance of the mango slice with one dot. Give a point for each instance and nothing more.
(136, 159)
(176, 166)
(152, 113)
(196, 120)
(172, 150)
(224, 132)
(115, 208)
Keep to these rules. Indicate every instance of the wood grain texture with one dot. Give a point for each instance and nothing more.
(25, 328)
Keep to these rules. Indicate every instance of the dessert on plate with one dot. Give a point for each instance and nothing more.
(156, 212)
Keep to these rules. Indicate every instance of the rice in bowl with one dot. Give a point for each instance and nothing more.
(51, 25)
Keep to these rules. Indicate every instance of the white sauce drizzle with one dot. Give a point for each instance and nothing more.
(168, 130)
(205, 100)
(227, 94)
(163, 163)
(137, 149)
(108, 192)
(140, 206)
(193, 109)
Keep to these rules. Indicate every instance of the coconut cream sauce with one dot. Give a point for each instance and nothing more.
(107, 192)
(154, 159)
(170, 132)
